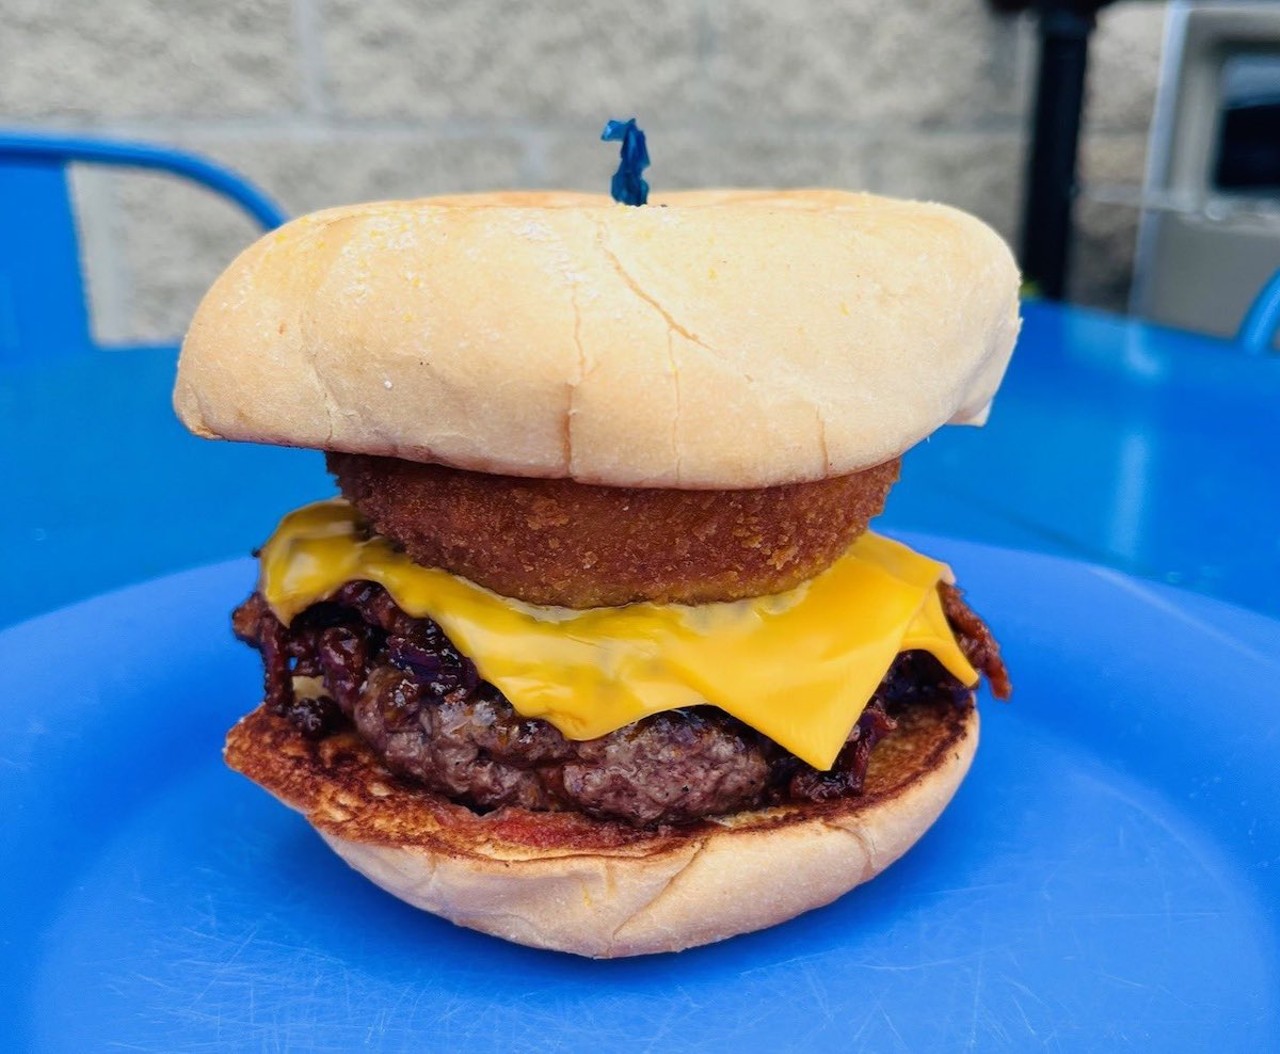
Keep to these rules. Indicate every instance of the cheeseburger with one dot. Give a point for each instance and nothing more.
(595, 651)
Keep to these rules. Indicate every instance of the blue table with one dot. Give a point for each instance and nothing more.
(103, 487)
(1144, 449)
(1105, 878)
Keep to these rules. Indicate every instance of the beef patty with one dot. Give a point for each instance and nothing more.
(357, 658)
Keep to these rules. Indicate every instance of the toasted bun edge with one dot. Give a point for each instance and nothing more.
(596, 891)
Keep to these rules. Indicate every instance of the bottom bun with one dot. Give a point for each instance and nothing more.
(599, 888)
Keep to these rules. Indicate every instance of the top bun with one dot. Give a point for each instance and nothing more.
(712, 339)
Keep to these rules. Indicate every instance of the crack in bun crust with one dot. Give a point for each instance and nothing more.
(601, 889)
(716, 339)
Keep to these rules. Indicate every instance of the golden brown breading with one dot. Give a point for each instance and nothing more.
(554, 541)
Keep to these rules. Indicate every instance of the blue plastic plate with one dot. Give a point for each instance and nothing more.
(1108, 877)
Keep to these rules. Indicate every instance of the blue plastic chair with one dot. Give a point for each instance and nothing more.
(1257, 334)
(43, 310)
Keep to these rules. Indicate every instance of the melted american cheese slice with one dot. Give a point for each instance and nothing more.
(798, 666)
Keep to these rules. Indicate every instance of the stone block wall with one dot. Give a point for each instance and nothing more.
(328, 101)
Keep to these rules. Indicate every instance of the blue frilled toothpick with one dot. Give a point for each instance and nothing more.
(628, 187)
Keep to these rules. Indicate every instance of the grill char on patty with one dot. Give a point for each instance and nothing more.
(424, 710)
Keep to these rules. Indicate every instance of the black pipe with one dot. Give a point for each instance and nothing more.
(1065, 27)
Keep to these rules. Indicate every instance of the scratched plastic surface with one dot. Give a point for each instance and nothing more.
(1107, 878)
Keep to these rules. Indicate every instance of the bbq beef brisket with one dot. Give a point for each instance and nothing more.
(423, 708)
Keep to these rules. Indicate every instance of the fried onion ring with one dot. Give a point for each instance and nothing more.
(554, 541)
